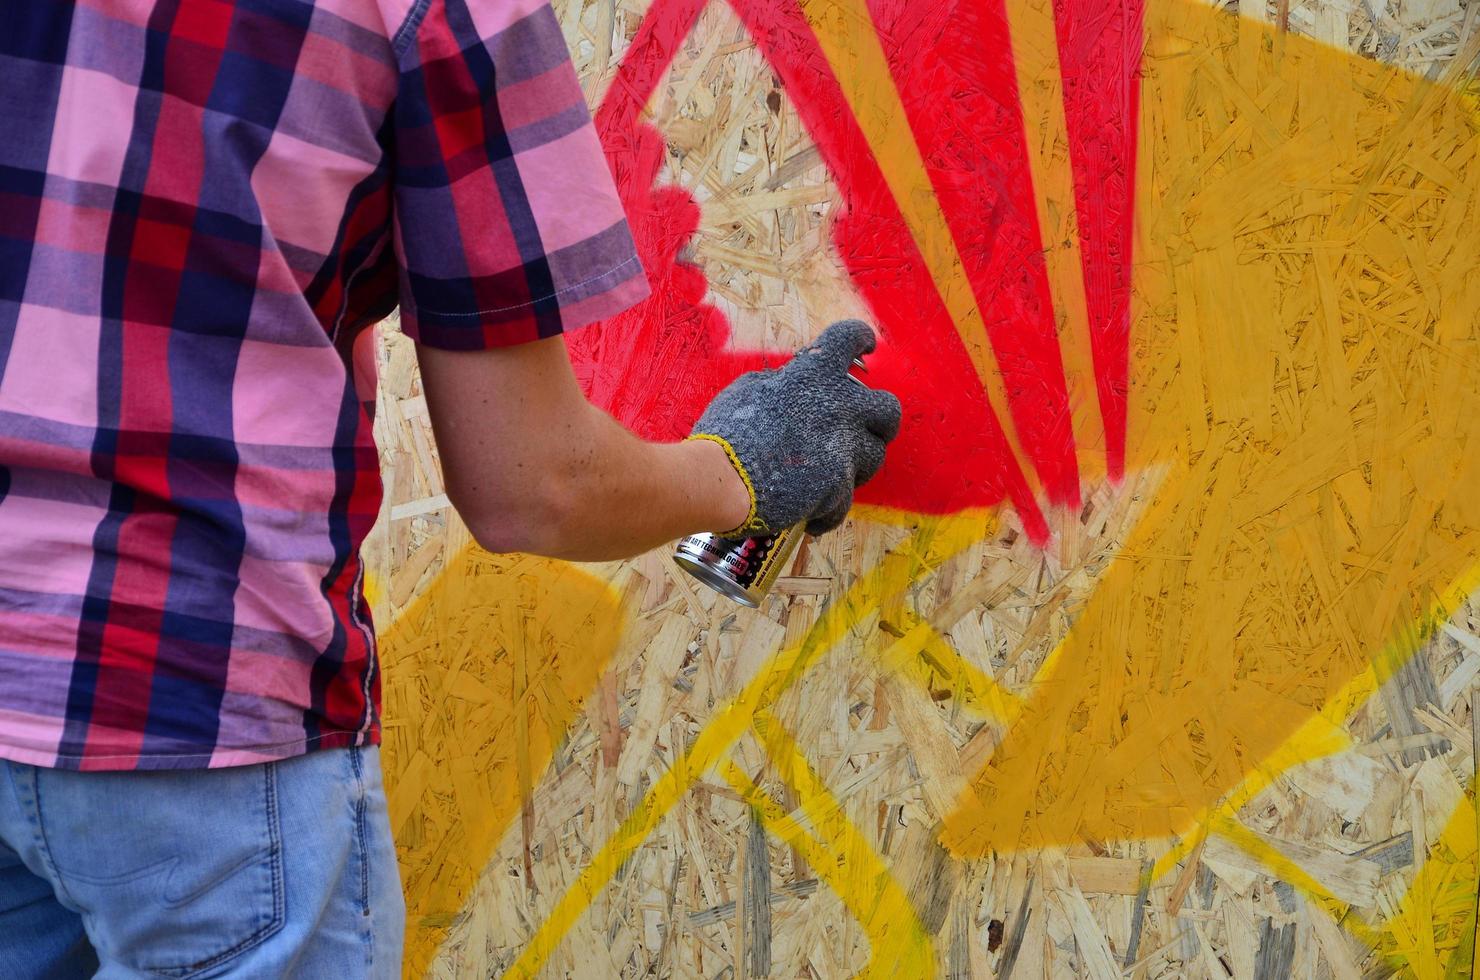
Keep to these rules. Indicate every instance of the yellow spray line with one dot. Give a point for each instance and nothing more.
(937, 540)
(923, 653)
(1293, 875)
(1317, 738)
(1441, 898)
(841, 856)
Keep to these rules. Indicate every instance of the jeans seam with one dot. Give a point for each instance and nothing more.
(357, 765)
(355, 761)
(37, 820)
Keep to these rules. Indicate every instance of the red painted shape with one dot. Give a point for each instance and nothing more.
(1100, 57)
(656, 366)
(951, 451)
(963, 108)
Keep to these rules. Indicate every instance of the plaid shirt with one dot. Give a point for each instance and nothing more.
(203, 204)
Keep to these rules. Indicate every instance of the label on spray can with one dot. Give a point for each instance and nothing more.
(742, 568)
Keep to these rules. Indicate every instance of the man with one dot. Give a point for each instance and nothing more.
(203, 206)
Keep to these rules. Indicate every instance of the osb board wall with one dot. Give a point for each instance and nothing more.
(1219, 725)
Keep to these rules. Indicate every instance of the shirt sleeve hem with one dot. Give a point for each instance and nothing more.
(619, 288)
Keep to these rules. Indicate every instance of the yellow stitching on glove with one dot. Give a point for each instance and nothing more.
(752, 523)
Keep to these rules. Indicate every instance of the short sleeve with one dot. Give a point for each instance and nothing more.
(507, 221)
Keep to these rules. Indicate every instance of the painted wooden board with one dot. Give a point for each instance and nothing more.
(1152, 651)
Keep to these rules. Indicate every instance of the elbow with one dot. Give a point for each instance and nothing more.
(534, 521)
(500, 535)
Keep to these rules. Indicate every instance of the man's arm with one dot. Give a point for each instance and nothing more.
(529, 463)
(532, 466)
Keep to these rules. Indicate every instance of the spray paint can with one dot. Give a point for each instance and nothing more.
(743, 569)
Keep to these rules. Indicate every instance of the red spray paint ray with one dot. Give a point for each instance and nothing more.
(1100, 58)
(964, 111)
(952, 453)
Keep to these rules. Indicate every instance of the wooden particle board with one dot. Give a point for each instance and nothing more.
(576, 691)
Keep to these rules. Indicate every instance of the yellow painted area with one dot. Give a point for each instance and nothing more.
(483, 674)
(1433, 931)
(1311, 389)
(840, 855)
(1319, 736)
(845, 33)
(1040, 82)
(372, 589)
(936, 540)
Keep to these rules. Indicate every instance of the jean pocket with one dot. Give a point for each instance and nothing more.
(176, 873)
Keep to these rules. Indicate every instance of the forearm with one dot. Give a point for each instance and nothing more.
(532, 466)
(616, 495)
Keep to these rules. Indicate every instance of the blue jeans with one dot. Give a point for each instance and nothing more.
(279, 870)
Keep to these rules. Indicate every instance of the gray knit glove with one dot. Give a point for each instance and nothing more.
(804, 436)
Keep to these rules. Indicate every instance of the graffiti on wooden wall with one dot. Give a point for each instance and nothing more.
(1153, 249)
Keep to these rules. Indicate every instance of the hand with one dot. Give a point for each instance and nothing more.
(805, 436)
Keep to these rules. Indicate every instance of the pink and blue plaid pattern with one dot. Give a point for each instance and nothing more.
(203, 206)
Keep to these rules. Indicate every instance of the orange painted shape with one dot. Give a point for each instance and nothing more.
(1295, 386)
(483, 673)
